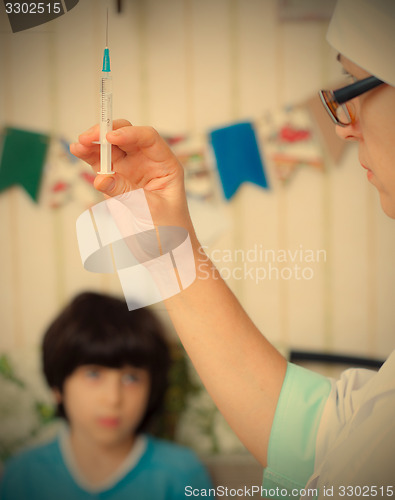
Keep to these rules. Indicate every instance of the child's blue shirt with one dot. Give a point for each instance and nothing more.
(161, 472)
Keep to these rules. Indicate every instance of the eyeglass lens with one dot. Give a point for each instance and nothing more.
(345, 113)
(342, 114)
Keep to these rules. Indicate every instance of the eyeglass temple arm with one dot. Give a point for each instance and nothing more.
(355, 89)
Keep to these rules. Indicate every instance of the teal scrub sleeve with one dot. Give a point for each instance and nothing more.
(292, 442)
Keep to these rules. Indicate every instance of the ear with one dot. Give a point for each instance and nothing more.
(57, 395)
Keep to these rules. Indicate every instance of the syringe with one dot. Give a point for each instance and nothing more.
(105, 111)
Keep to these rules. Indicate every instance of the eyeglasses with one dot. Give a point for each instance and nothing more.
(337, 103)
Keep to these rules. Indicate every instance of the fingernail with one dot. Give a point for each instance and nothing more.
(107, 184)
(116, 132)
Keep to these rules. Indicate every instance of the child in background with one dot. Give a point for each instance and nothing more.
(108, 370)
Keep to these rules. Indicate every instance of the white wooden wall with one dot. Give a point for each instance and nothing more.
(187, 66)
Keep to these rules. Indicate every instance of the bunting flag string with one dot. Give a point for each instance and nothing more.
(22, 160)
(238, 157)
(284, 140)
(289, 141)
(67, 179)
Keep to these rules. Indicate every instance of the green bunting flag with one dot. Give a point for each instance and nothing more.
(22, 160)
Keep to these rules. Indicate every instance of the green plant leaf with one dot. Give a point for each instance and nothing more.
(7, 371)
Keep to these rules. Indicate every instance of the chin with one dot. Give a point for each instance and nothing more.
(388, 207)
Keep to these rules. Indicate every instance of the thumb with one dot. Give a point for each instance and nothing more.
(112, 185)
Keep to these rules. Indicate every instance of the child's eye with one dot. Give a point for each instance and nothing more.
(129, 378)
(92, 373)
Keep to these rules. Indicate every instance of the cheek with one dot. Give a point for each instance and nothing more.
(75, 401)
(379, 143)
(387, 178)
(378, 117)
(377, 122)
(137, 401)
(378, 101)
(379, 151)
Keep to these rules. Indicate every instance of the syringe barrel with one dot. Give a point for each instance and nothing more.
(105, 122)
(106, 97)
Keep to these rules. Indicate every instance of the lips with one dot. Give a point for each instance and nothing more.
(109, 421)
(369, 172)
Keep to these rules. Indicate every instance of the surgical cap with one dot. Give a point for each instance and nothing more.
(364, 32)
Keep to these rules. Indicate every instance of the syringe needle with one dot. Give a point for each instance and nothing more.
(107, 30)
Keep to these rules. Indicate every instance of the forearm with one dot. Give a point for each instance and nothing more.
(239, 367)
(241, 370)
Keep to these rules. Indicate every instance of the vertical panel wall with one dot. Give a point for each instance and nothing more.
(187, 66)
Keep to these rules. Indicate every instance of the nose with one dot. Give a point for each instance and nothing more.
(349, 132)
(112, 391)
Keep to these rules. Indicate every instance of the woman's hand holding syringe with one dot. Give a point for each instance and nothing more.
(140, 159)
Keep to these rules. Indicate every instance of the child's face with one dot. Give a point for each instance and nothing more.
(105, 405)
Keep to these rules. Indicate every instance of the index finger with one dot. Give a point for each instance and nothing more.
(132, 139)
(93, 134)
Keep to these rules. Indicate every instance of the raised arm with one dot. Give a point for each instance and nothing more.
(241, 370)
